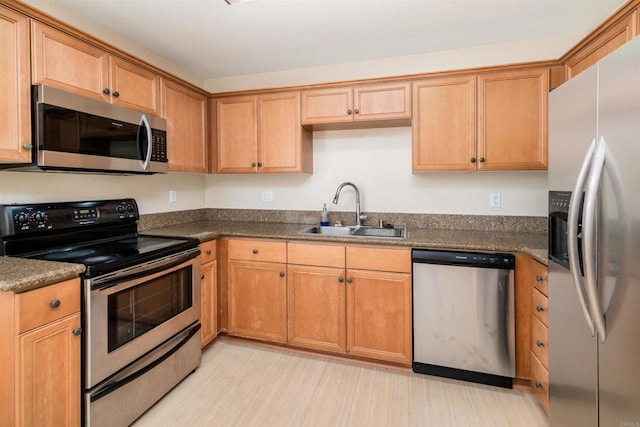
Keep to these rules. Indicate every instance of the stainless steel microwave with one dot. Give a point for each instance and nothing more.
(75, 133)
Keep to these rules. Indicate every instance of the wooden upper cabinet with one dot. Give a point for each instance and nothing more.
(363, 103)
(185, 111)
(512, 120)
(15, 89)
(444, 124)
(262, 134)
(602, 44)
(68, 63)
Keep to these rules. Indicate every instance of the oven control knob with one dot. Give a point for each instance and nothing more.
(40, 216)
(121, 209)
(22, 218)
(130, 208)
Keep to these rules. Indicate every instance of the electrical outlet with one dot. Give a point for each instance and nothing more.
(172, 196)
(267, 197)
(495, 200)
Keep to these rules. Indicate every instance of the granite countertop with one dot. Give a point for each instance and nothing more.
(498, 241)
(19, 275)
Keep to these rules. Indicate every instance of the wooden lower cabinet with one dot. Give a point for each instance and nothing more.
(40, 356)
(379, 315)
(539, 333)
(208, 293)
(316, 308)
(258, 300)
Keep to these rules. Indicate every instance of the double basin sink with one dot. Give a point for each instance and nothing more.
(355, 231)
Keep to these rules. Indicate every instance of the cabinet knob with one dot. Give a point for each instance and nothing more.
(340, 279)
(116, 94)
(259, 164)
(202, 277)
(539, 278)
(349, 112)
(106, 91)
(55, 303)
(208, 251)
(539, 309)
(349, 280)
(255, 251)
(481, 159)
(77, 331)
(473, 160)
(540, 344)
(538, 384)
(253, 164)
(27, 146)
(282, 274)
(356, 111)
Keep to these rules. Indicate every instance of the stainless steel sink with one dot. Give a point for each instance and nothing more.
(364, 231)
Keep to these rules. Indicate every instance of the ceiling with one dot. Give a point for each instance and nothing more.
(214, 40)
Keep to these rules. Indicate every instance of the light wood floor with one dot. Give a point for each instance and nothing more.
(240, 384)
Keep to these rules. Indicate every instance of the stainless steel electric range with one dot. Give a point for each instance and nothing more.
(140, 299)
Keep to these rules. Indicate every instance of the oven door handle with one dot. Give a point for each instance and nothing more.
(111, 387)
(147, 269)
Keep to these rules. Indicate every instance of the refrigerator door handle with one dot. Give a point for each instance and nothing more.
(589, 240)
(572, 235)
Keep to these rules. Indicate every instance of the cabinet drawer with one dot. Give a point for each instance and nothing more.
(540, 340)
(540, 382)
(258, 250)
(539, 273)
(380, 259)
(540, 306)
(44, 305)
(208, 250)
(316, 254)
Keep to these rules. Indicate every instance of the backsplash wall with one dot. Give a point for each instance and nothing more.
(378, 161)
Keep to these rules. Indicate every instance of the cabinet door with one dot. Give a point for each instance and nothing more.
(316, 308)
(334, 105)
(444, 124)
(379, 315)
(134, 87)
(209, 302)
(512, 120)
(258, 300)
(48, 383)
(382, 102)
(185, 111)
(283, 145)
(237, 134)
(65, 62)
(15, 110)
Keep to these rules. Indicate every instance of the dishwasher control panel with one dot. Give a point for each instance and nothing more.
(474, 259)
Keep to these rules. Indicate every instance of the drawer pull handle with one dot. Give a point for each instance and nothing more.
(77, 331)
(208, 251)
(538, 384)
(349, 280)
(340, 279)
(540, 344)
(255, 251)
(539, 278)
(282, 274)
(55, 303)
(202, 277)
(539, 309)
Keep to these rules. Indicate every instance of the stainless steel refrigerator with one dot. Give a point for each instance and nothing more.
(594, 289)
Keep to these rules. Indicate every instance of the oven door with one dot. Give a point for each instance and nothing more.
(133, 311)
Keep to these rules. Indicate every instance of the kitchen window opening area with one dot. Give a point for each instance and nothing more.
(243, 384)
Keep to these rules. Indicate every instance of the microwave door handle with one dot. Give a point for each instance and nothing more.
(572, 235)
(589, 240)
(145, 122)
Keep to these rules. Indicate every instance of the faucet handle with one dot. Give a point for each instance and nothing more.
(363, 217)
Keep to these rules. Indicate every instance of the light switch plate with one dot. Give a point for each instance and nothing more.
(495, 200)
(172, 196)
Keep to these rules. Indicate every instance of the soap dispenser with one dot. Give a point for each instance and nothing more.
(324, 217)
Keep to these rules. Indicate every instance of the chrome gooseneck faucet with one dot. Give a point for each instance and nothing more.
(359, 216)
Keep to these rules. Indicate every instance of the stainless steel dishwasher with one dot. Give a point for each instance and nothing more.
(463, 316)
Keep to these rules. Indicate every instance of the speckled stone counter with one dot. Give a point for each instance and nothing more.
(498, 241)
(20, 275)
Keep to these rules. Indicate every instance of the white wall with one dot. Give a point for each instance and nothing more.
(378, 161)
(150, 191)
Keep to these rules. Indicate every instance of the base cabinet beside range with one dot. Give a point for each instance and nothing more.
(208, 292)
(40, 356)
